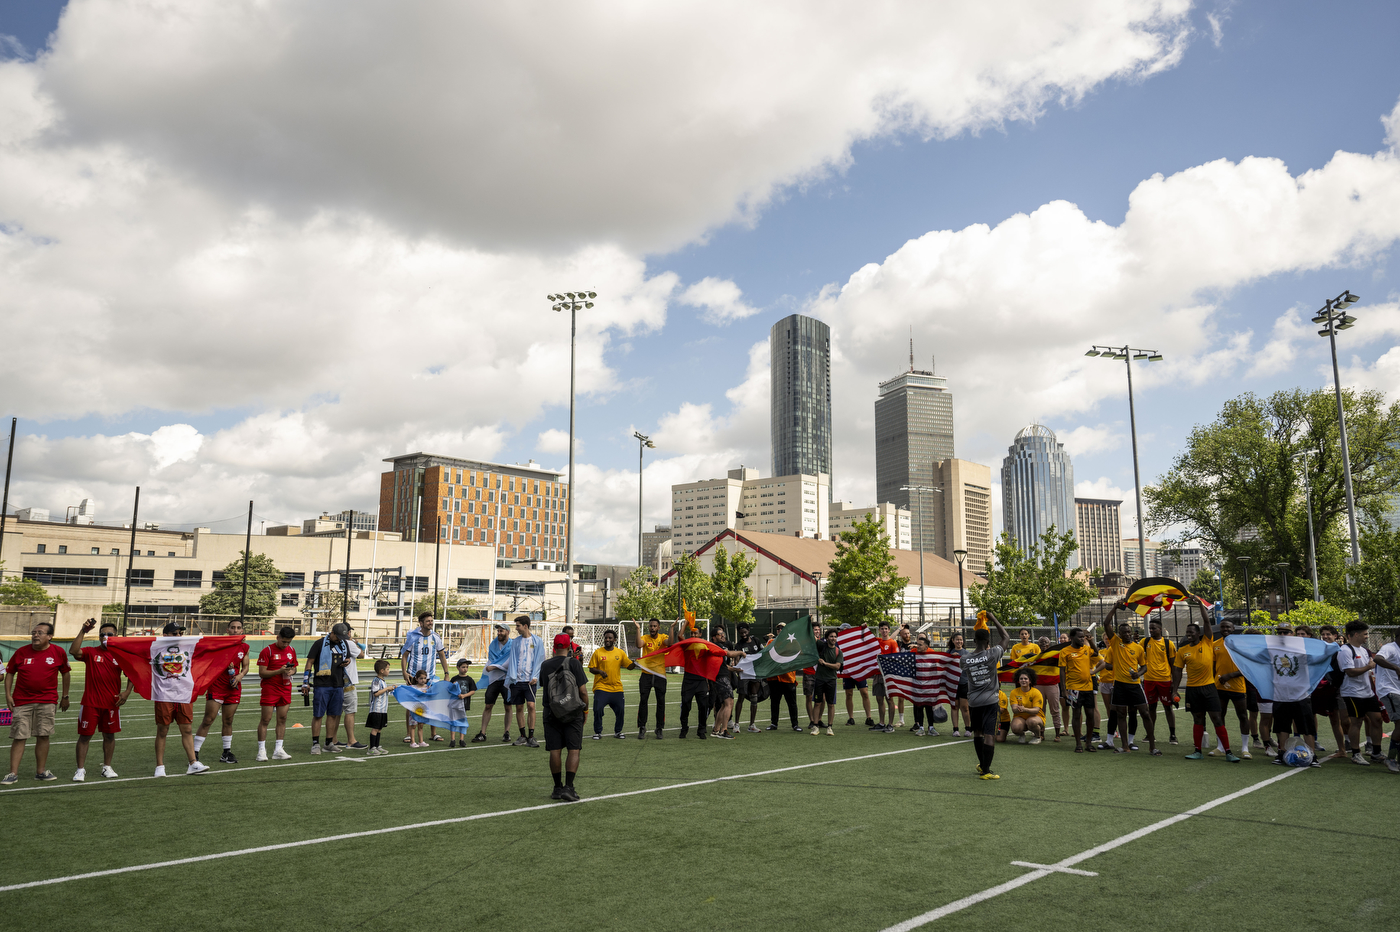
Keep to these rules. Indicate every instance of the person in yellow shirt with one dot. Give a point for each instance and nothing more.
(1230, 684)
(1024, 650)
(1126, 655)
(1027, 709)
(653, 676)
(1159, 652)
(606, 666)
(1197, 658)
(1078, 659)
(1003, 716)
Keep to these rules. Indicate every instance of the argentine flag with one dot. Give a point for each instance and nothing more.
(440, 705)
(1283, 668)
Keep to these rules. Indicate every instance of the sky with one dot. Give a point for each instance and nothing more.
(249, 250)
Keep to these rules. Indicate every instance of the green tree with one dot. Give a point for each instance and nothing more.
(1315, 614)
(1011, 579)
(863, 583)
(1375, 581)
(451, 605)
(263, 580)
(17, 590)
(732, 598)
(1057, 591)
(1238, 490)
(639, 598)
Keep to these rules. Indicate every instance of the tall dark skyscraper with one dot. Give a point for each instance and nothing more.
(914, 431)
(801, 396)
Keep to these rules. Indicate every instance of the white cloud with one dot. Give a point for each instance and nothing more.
(722, 300)
(1085, 440)
(1391, 122)
(555, 440)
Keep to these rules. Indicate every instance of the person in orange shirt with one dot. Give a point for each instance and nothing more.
(1230, 685)
(1078, 660)
(1128, 668)
(884, 705)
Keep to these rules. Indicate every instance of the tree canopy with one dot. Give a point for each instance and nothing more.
(639, 598)
(731, 596)
(863, 584)
(16, 590)
(264, 578)
(1022, 586)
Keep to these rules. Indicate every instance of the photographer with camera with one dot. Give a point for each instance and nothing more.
(325, 677)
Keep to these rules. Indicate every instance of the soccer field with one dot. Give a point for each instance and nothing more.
(774, 830)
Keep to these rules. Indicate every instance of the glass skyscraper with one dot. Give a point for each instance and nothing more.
(1037, 488)
(801, 397)
(913, 433)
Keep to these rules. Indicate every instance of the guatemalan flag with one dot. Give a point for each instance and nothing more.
(440, 705)
(175, 669)
(1283, 668)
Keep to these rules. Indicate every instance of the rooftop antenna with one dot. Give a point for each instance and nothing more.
(911, 347)
(933, 365)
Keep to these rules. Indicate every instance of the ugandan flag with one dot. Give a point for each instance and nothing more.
(1044, 667)
(1153, 593)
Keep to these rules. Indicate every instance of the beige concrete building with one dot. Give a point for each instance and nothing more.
(1156, 558)
(798, 506)
(964, 507)
(895, 520)
(1100, 535)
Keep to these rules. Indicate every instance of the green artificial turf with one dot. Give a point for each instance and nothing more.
(859, 845)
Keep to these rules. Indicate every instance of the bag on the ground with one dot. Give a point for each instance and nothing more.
(565, 704)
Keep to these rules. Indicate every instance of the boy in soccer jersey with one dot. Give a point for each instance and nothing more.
(100, 709)
(276, 665)
(224, 695)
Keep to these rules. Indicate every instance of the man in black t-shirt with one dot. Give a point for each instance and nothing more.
(562, 736)
(751, 689)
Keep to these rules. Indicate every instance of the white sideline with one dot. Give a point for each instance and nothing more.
(934, 915)
(456, 821)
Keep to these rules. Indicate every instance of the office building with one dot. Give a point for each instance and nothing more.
(1184, 565)
(1100, 534)
(800, 413)
(963, 509)
(796, 506)
(914, 432)
(893, 519)
(651, 540)
(1037, 488)
(520, 510)
(1154, 554)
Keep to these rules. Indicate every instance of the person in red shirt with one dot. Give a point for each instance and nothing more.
(226, 692)
(276, 664)
(31, 693)
(100, 707)
(883, 705)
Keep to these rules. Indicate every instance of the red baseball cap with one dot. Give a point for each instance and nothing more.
(562, 640)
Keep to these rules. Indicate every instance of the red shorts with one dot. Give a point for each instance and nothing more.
(276, 696)
(91, 721)
(1158, 691)
(226, 694)
(167, 712)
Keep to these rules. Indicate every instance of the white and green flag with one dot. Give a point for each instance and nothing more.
(793, 648)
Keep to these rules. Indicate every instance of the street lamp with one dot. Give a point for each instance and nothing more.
(1127, 354)
(1244, 569)
(1334, 317)
(572, 301)
(961, 557)
(643, 441)
(1283, 578)
(920, 490)
(1312, 547)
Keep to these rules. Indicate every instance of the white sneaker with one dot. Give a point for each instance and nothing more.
(262, 754)
(79, 775)
(1021, 740)
(281, 754)
(1358, 759)
(316, 748)
(160, 771)
(1035, 740)
(196, 767)
(753, 727)
(108, 772)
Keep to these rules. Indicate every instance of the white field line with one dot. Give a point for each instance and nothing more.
(934, 915)
(457, 820)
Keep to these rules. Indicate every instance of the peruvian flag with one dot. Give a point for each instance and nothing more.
(175, 669)
(696, 655)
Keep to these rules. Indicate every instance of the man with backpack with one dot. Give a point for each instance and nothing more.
(564, 696)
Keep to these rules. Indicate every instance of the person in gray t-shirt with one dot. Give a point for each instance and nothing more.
(979, 667)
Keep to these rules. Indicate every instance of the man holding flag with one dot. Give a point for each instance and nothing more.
(793, 647)
(1285, 669)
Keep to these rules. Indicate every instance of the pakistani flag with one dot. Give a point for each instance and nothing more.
(792, 649)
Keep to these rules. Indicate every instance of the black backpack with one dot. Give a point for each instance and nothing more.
(565, 704)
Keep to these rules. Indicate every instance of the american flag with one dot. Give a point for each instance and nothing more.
(925, 679)
(859, 648)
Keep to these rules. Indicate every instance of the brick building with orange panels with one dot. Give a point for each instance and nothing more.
(521, 510)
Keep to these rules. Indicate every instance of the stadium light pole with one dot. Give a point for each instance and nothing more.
(920, 490)
(961, 556)
(573, 302)
(1333, 316)
(1128, 354)
(643, 441)
(1312, 546)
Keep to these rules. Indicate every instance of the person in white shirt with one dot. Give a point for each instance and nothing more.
(1356, 664)
(1387, 661)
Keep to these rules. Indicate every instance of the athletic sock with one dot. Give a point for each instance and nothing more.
(569, 778)
(1222, 735)
(279, 744)
(198, 743)
(1198, 734)
(558, 779)
(991, 751)
(262, 747)
(532, 733)
(228, 742)
(1244, 740)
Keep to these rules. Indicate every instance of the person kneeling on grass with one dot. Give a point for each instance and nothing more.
(1027, 709)
(563, 736)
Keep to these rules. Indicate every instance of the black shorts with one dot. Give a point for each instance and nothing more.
(1129, 694)
(1228, 698)
(1203, 700)
(566, 736)
(1079, 698)
(723, 689)
(1251, 697)
(1324, 700)
(984, 718)
(496, 689)
(826, 692)
(1295, 718)
(849, 684)
(377, 721)
(809, 684)
(520, 694)
(962, 691)
(1360, 706)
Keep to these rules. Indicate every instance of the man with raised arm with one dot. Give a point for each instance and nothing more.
(979, 665)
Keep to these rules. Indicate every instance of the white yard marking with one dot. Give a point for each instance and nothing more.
(1052, 867)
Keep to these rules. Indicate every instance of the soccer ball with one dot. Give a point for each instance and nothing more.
(940, 715)
(1298, 756)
